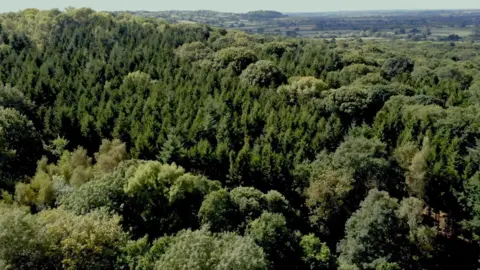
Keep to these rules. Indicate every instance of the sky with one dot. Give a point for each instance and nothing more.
(241, 5)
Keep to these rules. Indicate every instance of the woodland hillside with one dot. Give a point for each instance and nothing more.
(132, 143)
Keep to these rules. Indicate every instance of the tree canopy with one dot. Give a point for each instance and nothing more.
(132, 143)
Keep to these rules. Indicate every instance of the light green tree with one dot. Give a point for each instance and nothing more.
(201, 249)
(264, 74)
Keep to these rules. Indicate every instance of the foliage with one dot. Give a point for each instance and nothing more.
(338, 181)
(202, 250)
(397, 66)
(110, 154)
(194, 51)
(303, 87)
(72, 171)
(218, 211)
(128, 142)
(237, 58)
(263, 73)
(377, 236)
(20, 147)
(11, 97)
(317, 254)
(59, 239)
(103, 192)
(164, 199)
(232, 211)
(270, 231)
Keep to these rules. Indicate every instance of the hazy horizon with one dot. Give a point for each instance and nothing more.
(299, 6)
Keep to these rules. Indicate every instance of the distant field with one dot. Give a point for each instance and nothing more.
(396, 24)
(462, 32)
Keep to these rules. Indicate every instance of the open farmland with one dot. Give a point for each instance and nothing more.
(412, 25)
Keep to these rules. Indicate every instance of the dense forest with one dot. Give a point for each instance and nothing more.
(132, 143)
